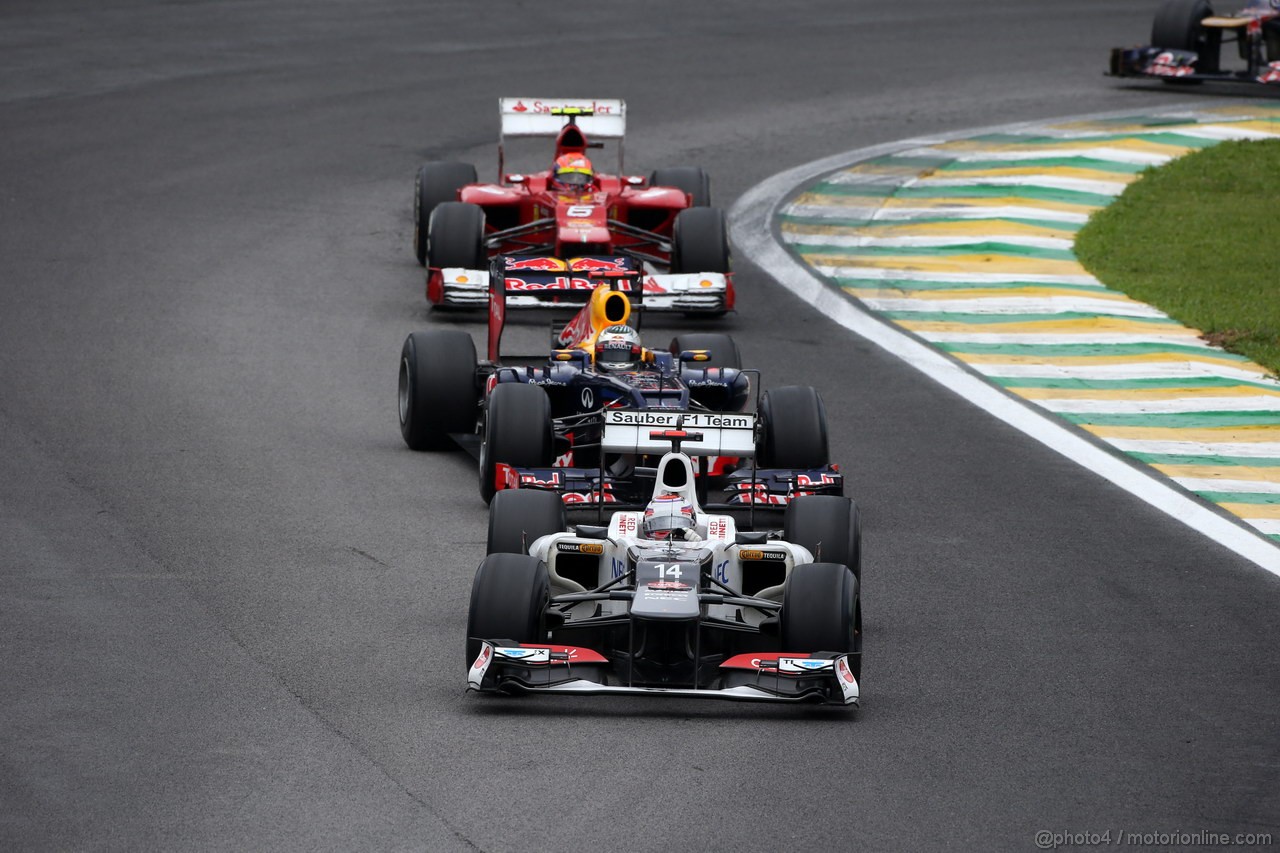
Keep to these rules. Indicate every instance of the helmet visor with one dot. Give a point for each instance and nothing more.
(573, 179)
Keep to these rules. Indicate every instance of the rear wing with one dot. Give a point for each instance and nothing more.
(599, 119)
(645, 431)
(545, 117)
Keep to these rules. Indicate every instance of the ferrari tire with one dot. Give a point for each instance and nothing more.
(822, 612)
(437, 387)
(455, 236)
(517, 431)
(691, 179)
(700, 241)
(508, 601)
(519, 516)
(722, 348)
(793, 429)
(435, 183)
(827, 525)
(1177, 26)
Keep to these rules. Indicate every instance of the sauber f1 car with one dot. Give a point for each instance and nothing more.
(554, 233)
(697, 609)
(1187, 42)
(545, 421)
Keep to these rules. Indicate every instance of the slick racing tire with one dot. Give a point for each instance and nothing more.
(455, 236)
(519, 516)
(722, 349)
(1177, 26)
(508, 601)
(437, 393)
(691, 179)
(435, 183)
(700, 241)
(517, 431)
(822, 612)
(793, 425)
(827, 525)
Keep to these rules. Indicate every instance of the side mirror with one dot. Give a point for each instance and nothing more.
(591, 531)
(695, 355)
(517, 179)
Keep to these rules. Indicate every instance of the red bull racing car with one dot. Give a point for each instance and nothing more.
(554, 226)
(570, 422)
(1187, 41)
(671, 601)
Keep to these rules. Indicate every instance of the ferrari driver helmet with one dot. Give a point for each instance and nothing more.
(668, 516)
(618, 349)
(572, 172)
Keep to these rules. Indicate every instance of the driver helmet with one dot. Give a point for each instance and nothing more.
(668, 516)
(618, 349)
(572, 173)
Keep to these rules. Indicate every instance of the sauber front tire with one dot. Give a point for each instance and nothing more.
(822, 612)
(509, 598)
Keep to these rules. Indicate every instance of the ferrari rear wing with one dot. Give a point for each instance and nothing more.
(598, 119)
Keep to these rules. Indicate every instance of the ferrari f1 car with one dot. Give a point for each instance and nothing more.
(713, 612)
(544, 421)
(553, 234)
(1187, 42)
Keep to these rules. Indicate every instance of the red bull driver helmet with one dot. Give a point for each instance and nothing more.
(618, 349)
(572, 172)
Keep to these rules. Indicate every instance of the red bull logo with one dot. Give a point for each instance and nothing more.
(560, 282)
(599, 265)
(536, 264)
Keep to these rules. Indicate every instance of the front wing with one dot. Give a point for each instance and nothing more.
(585, 487)
(691, 293)
(502, 667)
(1157, 63)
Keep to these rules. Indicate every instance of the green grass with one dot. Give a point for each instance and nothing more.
(1199, 238)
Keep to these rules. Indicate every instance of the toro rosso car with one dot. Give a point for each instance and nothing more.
(669, 601)
(542, 422)
(557, 225)
(1187, 41)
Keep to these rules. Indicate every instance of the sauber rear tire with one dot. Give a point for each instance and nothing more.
(793, 428)
(700, 241)
(722, 349)
(690, 179)
(519, 516)
(517, 431)
(1177, 26)
(435, 183)
(508, 601)
(455, 236)
(437, 387)
(822, 612)
(829, 526)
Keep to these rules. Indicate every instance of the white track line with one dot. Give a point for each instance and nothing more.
(752, 228)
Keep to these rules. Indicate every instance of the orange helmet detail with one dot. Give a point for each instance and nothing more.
(573, 170)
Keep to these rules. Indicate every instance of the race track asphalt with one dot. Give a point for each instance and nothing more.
(233, 603)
